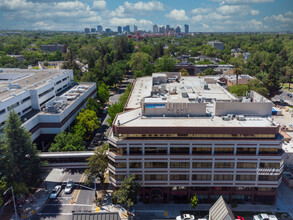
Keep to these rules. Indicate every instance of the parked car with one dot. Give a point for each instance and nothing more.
(264, 217)
(185, 217)
(69, 187)
(55, 192)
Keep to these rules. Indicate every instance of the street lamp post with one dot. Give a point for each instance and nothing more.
(13, 200)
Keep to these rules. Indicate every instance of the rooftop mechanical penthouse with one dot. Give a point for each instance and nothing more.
(47, 101)
(186, 135)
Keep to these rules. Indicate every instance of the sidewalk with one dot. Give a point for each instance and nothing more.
(36, 202)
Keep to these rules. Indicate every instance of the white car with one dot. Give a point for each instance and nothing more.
(69, 187)
(185, 217)
(264, 217)
(55, 192)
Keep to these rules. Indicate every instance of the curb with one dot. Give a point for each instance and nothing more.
(37, 211)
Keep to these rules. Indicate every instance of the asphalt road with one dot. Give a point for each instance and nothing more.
(79, 200)
(284, 96)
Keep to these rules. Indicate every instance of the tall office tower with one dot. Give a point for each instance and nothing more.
(178, 29)
(119, 29)
(86, 30)
(134, 28)
(162, 30)
(186, 28)
(179, 143)
(93, 30)
(126, 29)
(155, 29)
(167, 28)
(99, 28)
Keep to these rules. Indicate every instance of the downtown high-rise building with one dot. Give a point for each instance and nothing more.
(86, 30)
(178, 30)
(126, 29)
(119, 29)
(134, 28)
(99, 28)
(155, 29)
(186, 28)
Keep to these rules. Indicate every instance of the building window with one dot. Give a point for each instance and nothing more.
(179, 165)
(223, 177)
(268, 178)
(156, 165)
(266, 189)
(135, 151)
(269, 165)
(156, 177)
(179, 150)
(245, 177)
(224, 150)
(269, 150)
(120, 177)
(224, 165)
(138, 177)
(2, 111)
(202, 164)
(202, 150)
(118, 164)
(247, 165)
(179, 177)
(202, 177)
(46, 92)
(118, 150)
(243, 188)
(25, 100)
(57, 83)
(155, 150)
(26, 109)
(13, 106)
(246, 150)
(134, 165)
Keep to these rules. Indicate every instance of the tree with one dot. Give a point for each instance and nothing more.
(103, 93)
(67, 142)
(3, 187)
(127, 192)
(93, 105)
(194, 201)
(184, 72)
(145, 60)
(165, 63)
(208, 71)
(22, 161)
(97, 166)
(87, 122)
(113, 110)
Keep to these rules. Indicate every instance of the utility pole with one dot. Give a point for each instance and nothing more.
(16, 217)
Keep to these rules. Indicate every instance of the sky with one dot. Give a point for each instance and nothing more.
(200, 15)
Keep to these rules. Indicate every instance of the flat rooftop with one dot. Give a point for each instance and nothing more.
(191, 85)
(24, 79)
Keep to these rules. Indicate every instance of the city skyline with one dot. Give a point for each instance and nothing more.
(202, 16)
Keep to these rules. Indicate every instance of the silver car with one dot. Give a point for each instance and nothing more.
(55, 192)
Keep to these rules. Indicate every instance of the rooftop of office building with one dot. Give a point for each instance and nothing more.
(166, 100)
(15, 81)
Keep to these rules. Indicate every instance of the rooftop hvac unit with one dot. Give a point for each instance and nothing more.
(226, 118)
(241, 118)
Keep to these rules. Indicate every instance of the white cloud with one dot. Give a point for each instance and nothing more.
(99, 5)
(201, 10)
(142, 23)
(143, 6)
(254, 12)
(244, 2)
(177, 15)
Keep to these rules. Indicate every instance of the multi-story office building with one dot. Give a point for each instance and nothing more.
(167, 28)
(54, 47)
(155, 29)
(93, 30)
(99, 28)
(217, 44)
(126, 29)
(178, 30)
(134, 28)
(186, 28)
(47, 101)
(187, 135)
(119, 29)
(162, 30)
(86, 30)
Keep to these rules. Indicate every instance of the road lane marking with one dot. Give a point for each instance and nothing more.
(75, 191)
(76, 197)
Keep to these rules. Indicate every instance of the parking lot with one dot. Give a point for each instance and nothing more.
(79, 200)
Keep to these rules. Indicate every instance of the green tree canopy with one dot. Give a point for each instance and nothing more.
(103, 93)
(22, 163)
(127, 192)
(86, 122)
(67, 142)
(93, 105)
(165, 63)
(194, 201)
(97, 165)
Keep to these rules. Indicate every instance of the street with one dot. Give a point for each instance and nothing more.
(285, 95)
(79, 200)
